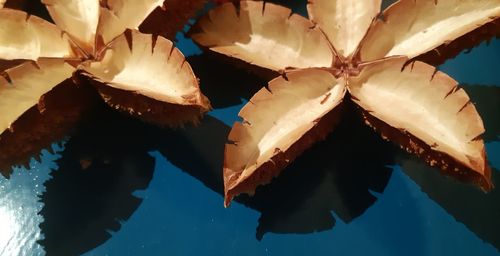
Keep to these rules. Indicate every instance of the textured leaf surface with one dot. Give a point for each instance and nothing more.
(29, 37)
(78, 18)
(54, 117)
(412, 28)
(120, 15)
(263, 34)
(344, 21)
(136, 64)
(429, 107)
(276, 122)
(22, 87)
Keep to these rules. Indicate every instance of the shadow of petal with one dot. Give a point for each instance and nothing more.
(92, 191)
(479, 212)
(224, 84)
(328, 178)
(487, 101)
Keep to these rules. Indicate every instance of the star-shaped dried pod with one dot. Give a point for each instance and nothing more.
(141, 74)
(349, 48)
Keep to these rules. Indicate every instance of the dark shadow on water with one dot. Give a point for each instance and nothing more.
(487, 101)
(327, 178)
(107, 160)
(336, 175)
(222, 83)
(91, 192)
(478, 211)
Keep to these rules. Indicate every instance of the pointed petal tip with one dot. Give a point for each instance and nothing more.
(227, 201)
(485, 182)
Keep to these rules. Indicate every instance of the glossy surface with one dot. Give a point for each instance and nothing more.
(120, 187)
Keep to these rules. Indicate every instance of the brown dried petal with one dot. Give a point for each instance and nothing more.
(28, 37)
(263, 34)
(53, 118)
(24, 122)
(433, 114)
(78, 18)
(138, 64)
(344, 21)
(120, 15)
(279, 123)
(412, 28)
(21, 87)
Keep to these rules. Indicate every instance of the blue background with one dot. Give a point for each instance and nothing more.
(158, 192)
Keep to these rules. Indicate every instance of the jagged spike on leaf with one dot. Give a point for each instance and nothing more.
(28, 82)
(427, 114)
(263, 34)
(345, 22)
(40, 105)
(29, 37)
(173, 18)
(156, 84)
(278, 125)
(412, 28)
(120, 15)
(78, 18)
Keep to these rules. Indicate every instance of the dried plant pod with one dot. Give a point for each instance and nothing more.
(120, 15)
(263, 34)
(412, 28)
(77, 18)
(139, 64)
(278, 124)
(28, 37)
(345, 22)
(42, 95)
(363, 46)
(429, 114)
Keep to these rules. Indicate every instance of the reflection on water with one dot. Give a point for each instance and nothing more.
(9, 232)
(19, 207)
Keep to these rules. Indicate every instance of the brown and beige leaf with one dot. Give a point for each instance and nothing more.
(350, 40)
(24, 36)
(427, 114)
(279, 123)
(138, 64)
(345, 22)
(120, 15)
(412, 28)
(263, 34)
(77, 18)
